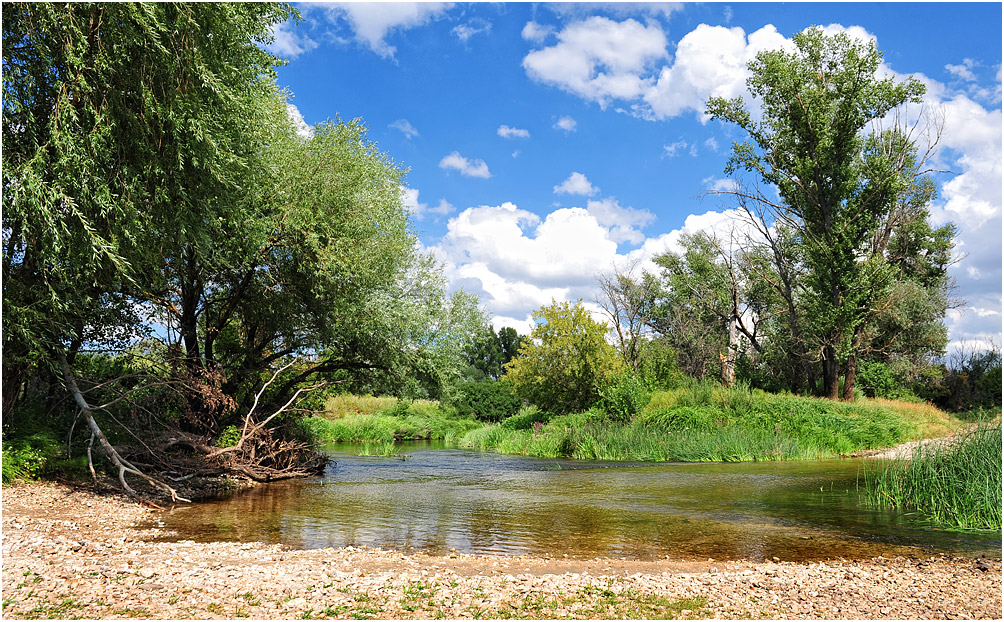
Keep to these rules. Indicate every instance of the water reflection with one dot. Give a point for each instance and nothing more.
(438, 499)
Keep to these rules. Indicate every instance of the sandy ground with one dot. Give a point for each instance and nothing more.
(70, 553)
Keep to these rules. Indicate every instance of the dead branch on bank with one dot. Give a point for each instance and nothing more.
(258, 454)
(124, 466)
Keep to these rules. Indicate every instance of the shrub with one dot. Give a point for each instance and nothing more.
(525, 419)
(486, 401)
(876, 380)
(566, 362)
(27, 457)
(624, 399)
(228, 437)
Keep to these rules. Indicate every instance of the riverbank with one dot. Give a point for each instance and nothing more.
(69, 553)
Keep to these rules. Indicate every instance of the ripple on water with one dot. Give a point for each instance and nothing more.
(440, 499)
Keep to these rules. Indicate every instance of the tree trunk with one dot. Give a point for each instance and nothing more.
(831, 373)
(852, 363)
(729, 360)
(852, 367)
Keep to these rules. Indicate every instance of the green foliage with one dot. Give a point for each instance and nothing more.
(625, 398)
(957, 484)
(126, 129)
(856, 263)
(397, 420)
(488, 352)
(970, 380)
(877, 380)
(525, 419)
(567, 362)
(28, 457)
(489, 401)
(228, 437)
(707, 422)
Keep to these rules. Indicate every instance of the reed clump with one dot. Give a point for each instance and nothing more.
(956, 484)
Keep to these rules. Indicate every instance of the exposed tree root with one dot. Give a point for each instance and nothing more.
(124, 466)
(258, 454)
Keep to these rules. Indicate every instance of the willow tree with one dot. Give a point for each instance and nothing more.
(838, 178)
(126, 127)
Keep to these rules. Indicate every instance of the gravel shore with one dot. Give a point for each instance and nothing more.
(70, 553)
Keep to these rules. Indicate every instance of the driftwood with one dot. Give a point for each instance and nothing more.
(124, 466)
(258, 454)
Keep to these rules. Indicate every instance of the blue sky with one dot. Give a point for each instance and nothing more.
(549, 142)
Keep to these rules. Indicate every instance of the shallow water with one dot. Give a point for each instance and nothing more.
(437, 499)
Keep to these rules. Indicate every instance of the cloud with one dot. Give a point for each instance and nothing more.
(373, 21)
(622, 222)
(512, 132)
(963, 71)
(517, 261)
(576, 184)
(302, 129)
(599, 59)
(473, 27)
(443, 208)
(535, 32)
(576, 10)
(409, 198)
(405, 128)
(565, 123)
(711, 144)
(710, 61)
(467, 168)
(972, 200)
(674, 149)
(288, 42)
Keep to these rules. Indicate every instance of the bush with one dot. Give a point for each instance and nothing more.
(27, 457)
(566, 362)
(624, 399)
(525, 419)
(490, 401)
(877, 380)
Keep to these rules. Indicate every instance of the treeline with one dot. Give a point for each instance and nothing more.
(184, 274)
(829, 279)
(181, 264)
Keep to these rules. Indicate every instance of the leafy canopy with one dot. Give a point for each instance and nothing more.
(567, 362)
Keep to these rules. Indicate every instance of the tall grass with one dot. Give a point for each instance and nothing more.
(705, 422)
(384, 420)
(956, 484)
(699, 422)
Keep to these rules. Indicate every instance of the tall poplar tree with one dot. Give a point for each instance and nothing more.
(838, 182)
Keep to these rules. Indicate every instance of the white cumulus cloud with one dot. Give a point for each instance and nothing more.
(577, 183)
(512, 132)
(535, 32)
(373, 21)
(288, 42)
(565, 123)
(302, 128)
(467, 168)
(599, 59)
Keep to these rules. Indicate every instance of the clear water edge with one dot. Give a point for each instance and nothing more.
(436, 499)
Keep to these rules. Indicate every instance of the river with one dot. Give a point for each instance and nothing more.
(437, 499)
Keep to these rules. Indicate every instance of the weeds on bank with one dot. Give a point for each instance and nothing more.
(956, 484)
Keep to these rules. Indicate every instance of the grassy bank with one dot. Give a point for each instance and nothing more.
(956, 484)
(383, 420)
(703, 422)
